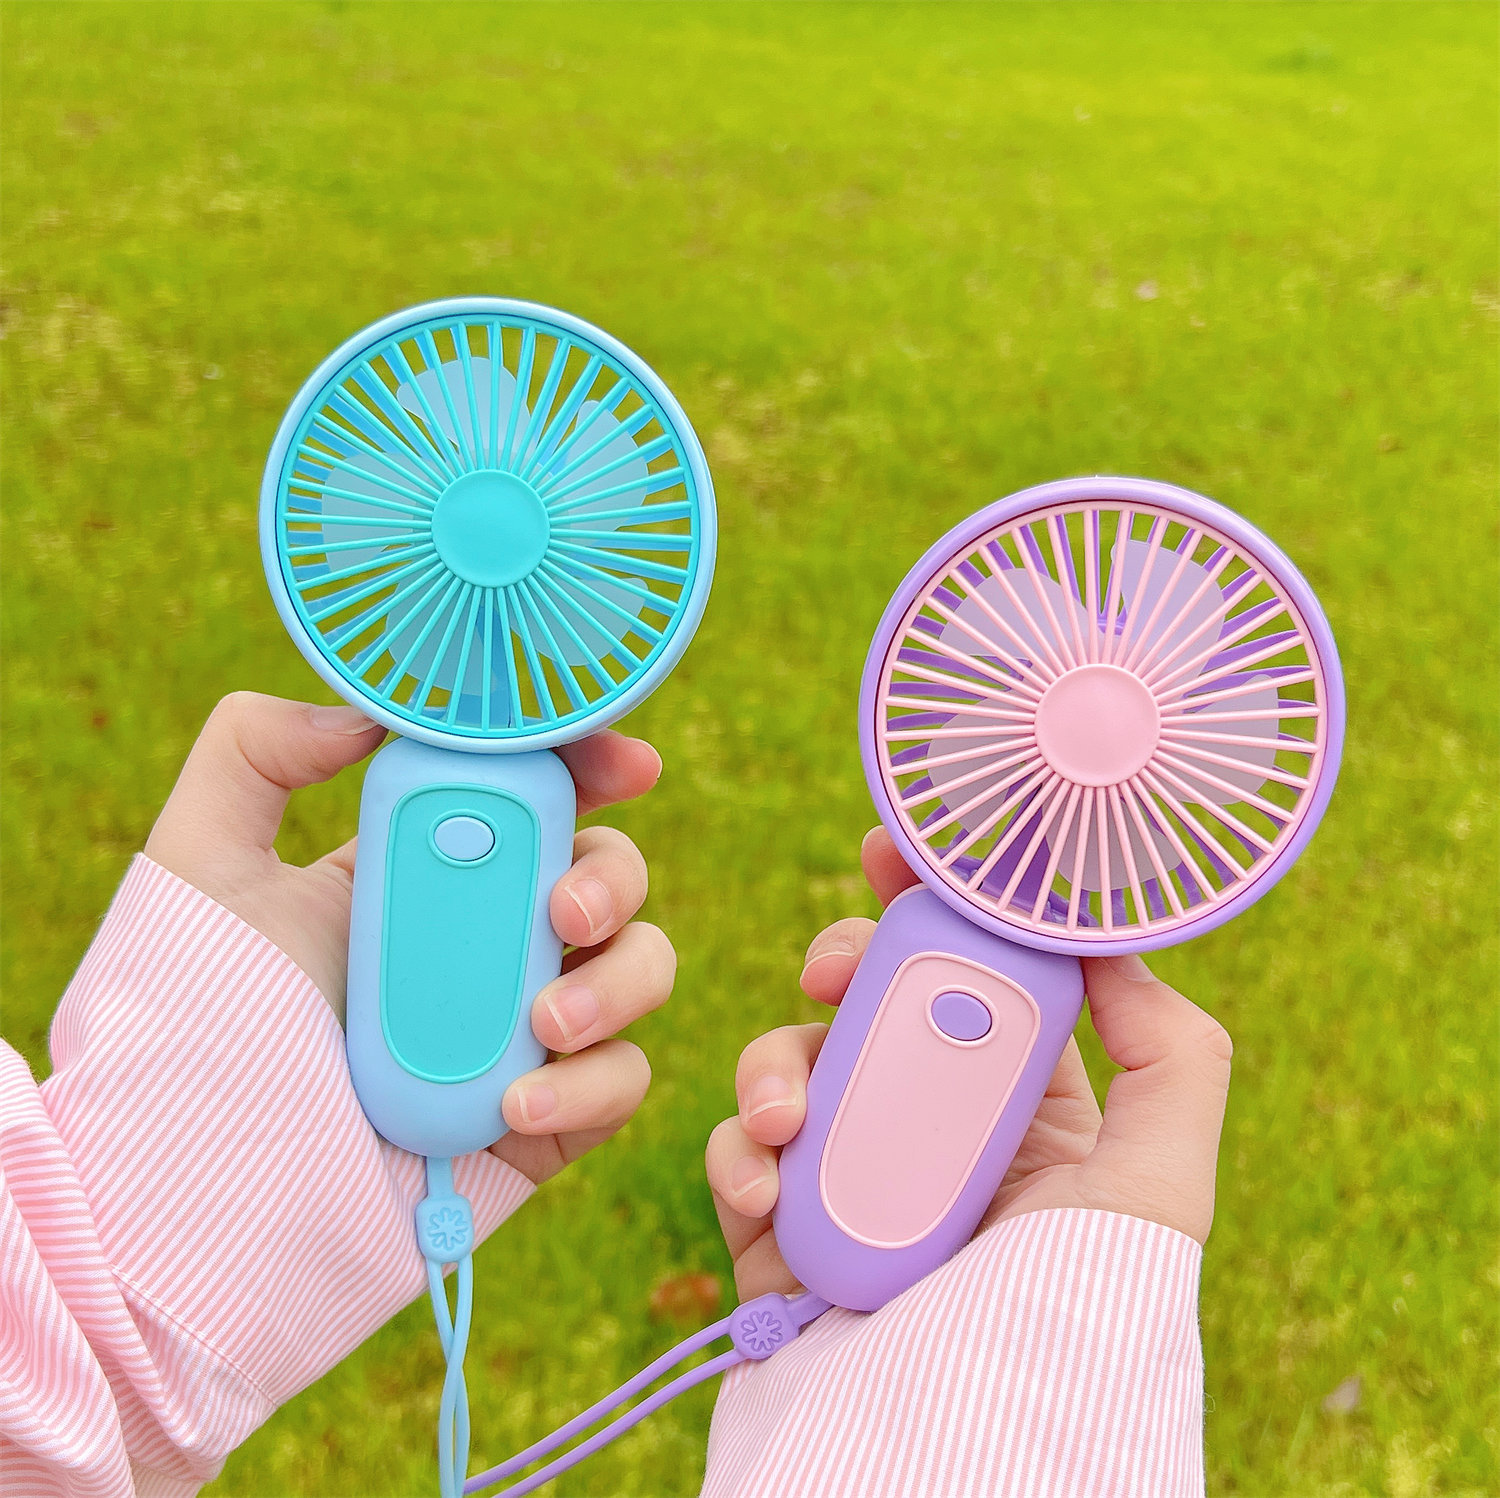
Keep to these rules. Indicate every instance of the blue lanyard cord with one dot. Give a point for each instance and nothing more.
(445, 1233)
(758, 1328)
(453, 1411)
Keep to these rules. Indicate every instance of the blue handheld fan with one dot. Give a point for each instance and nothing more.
(489, 526)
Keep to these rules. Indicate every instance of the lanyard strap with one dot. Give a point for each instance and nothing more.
(757, 1328)
(445, 1232)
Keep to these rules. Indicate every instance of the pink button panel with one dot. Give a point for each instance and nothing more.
(921, 1104)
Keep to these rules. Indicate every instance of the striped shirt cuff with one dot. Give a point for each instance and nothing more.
(252, 1219)
(1057, 1356)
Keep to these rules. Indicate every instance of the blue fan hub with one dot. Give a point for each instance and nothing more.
(490, 528)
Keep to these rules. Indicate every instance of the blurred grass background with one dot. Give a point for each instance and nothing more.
(895, 261)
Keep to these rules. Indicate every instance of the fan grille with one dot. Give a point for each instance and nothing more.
(490, 526)
(1101, 721)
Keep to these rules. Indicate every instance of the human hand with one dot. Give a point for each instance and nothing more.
(1152, 1153)
(218, 830)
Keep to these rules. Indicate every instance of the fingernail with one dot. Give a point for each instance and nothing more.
(575, 1009)
(831, 946)
(536, 1102)
(766, 1093)
(594, 901)
(1131, 967)
(655, 752)
(339, 720)
(747, 1174)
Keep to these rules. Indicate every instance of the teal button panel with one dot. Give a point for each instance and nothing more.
(456, 931)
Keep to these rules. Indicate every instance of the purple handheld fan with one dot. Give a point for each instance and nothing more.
(1100, 716)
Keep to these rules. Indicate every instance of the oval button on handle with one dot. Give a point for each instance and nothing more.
(960, 1016)
(464, 839)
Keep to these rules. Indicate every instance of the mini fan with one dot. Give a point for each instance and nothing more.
(490, 527)
(1100, 716)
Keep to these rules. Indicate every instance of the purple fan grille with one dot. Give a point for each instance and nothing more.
(1102, 714)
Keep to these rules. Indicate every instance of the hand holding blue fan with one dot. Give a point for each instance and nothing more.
(490, 527)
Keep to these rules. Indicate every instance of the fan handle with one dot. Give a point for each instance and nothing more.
(450, 936)
(934, 1066)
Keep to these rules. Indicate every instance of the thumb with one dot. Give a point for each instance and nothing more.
(886, 870)
(1158, 1144)
(253, 752)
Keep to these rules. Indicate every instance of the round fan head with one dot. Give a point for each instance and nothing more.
(1102, 715)
(488, 524)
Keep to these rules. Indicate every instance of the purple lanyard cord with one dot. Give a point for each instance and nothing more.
(758, 1328)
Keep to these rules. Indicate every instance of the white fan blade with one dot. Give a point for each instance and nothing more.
(364, 476)
(1251, 760)
(1119, 876)
(593, 427)
(444, 680)
(1181, 617)
(599, 628)
(431, 386)
(991, 787)
(1031, 630)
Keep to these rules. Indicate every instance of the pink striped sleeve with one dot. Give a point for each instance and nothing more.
(196, 1220)
(1057, 1356)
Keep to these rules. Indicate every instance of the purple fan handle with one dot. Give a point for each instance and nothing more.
(931, 1073)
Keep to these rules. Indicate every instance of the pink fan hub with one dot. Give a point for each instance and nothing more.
(1097, 725)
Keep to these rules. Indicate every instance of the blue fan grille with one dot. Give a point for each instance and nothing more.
(489, 526)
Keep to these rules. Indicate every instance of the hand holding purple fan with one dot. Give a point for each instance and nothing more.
(1152, 1153)
(1097, 717)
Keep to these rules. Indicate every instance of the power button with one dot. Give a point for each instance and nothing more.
(463, 839)
(960, 1016)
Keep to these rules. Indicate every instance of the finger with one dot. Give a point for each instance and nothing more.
(629, 977)
(760, 1268)
(1165, 1111)
(253, 752)
(744, 1209)
(742, 1174)
(884, 867)
(833, 956)
(758, 1265)
(1066, 1125)
(539, 1157)
(598, 1089)
(340, 860)
(770, 1081)
(606, 886)
(1069, 1098)
(609, 767)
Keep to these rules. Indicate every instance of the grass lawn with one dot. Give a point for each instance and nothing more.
(895, 261)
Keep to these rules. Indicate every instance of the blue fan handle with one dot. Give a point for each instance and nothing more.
(450, 938)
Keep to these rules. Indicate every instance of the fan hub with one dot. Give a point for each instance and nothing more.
(1097, 725)
(490, 528)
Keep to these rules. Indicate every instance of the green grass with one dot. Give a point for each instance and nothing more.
(895, 261)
